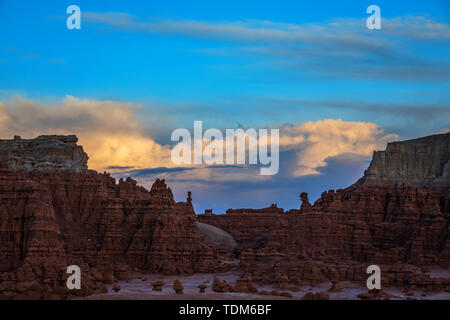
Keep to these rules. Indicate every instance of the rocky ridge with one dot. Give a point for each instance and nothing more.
(54, 216)
(420, 161)
(54, 212)
(43, 153)
(397, 216)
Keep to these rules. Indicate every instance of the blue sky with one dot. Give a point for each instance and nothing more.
(234, 63)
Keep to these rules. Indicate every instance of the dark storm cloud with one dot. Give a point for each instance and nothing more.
(153, 171)
(118, 168)
(161, 170)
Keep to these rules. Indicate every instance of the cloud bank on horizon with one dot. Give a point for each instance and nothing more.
(114, 139)
(116, 142)
(136, 72)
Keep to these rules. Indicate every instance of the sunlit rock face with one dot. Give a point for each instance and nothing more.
(43, 153)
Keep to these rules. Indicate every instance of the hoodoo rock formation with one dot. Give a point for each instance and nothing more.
(55, 213)
(397, 216)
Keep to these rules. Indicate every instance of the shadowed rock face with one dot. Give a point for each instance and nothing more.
(420, 161)
(43, 153)
(397, 215)
(64, 215)
(59, 214)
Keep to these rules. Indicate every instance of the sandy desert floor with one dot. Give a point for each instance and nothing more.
(140, 288)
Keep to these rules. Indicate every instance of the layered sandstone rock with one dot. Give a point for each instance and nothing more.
(419, 161)
(66, 215)
(272, 209)
(396, 216)
(43, 153)
(55, 213)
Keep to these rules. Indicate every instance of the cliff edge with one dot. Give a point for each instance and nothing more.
(424, 162)
(43, 153)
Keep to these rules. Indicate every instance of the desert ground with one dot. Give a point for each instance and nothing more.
(140, 288)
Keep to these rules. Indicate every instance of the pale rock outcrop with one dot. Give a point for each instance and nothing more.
(43, 153)
(420, 161)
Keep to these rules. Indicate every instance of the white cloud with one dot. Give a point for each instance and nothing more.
(340, 47)
(112, 136)
(344, 29)
(315, 141)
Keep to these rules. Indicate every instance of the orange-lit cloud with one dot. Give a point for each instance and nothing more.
(108, 130)
(315, 141)
(112, 136)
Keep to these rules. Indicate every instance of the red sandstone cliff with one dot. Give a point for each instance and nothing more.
(52, 218)
(397, 216)
(55, 213)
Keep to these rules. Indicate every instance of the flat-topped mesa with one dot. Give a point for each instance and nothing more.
(272, 209)
(422, 161)
(52, 152)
